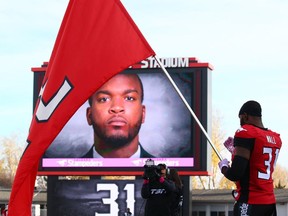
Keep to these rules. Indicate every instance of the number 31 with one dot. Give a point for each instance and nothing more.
(268, 163)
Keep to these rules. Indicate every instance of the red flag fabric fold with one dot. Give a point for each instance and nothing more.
(96, 40)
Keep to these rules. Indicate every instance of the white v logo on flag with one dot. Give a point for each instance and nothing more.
(45, 110)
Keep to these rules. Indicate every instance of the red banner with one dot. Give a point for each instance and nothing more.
(96, 40)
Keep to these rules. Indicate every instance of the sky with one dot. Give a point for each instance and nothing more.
(245, 41)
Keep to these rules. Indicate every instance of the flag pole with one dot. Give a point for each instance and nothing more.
(188, 106)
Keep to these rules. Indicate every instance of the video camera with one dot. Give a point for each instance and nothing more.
(152, 171)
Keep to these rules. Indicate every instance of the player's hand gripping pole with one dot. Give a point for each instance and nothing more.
(188, 106)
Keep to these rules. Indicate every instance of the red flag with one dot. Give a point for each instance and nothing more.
(96, 40)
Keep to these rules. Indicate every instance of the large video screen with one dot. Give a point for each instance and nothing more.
(168, 133)
(94, 196)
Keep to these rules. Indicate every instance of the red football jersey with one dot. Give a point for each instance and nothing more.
(256, 187)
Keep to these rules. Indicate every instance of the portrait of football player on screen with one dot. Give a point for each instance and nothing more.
(132, 115)
(116, 114)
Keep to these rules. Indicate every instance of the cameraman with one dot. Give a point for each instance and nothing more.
(157, 190)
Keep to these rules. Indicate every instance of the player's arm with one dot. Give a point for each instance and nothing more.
(238, 166)
(240, 161)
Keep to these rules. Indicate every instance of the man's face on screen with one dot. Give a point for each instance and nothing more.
(116, 111)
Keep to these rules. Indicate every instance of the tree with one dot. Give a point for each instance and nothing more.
(199, 182)
(280, 177)
(9, 159)
(218, 137)
(225, 183)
